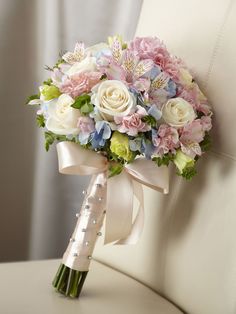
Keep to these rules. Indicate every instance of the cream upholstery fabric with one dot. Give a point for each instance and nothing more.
(188, 249)
(26, 289)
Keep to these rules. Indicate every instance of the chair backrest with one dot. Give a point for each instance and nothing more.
(188, 248)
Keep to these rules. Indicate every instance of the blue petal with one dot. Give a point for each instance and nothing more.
(155, 112)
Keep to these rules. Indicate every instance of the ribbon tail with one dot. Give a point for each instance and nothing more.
(138, 224)
(119, 207)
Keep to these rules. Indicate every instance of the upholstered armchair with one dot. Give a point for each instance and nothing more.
(185, 261)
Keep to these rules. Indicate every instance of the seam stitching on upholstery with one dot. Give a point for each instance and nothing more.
(217, 44)
(225, 155)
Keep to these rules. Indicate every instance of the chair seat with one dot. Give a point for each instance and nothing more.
(26, 288)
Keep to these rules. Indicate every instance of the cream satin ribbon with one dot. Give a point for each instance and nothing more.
(121, 189)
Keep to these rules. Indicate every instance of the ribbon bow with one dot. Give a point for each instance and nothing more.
(121, 189)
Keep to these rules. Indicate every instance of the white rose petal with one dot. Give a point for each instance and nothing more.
(177, 112)
(86, 65)
(112, 98)
(62, 118)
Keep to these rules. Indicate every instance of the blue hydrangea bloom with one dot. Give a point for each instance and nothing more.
(101, 134)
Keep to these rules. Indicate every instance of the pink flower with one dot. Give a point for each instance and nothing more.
(133, 123)
(166, 139)
(86, 125)
(80, 83)
(192, 134)
(147, 47)
(169, 64)
(194, 96)
(206, 123)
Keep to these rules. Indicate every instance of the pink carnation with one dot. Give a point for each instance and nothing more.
(133, 123)
(167, 140)
(80, 83)
(86, 124)
(147, 47)
(169, 65)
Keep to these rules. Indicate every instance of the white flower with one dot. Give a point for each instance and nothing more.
(177, 112)
(86, 65)
(112, 99)
(93, 50)
(62, 118)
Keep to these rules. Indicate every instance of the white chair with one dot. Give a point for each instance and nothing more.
(187, 253)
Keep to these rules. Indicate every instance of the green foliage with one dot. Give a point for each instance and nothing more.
(115, 169)
(206, 143)
(32, 97)
(164, 160)
(188, 173)
(86, 108)
(47, 82)
(83, 102)
(149, 120)
(40, 121)
(50, 138)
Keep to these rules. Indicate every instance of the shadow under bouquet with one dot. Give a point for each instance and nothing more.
(121, 112)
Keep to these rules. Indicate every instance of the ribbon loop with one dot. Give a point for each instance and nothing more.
(75, 160)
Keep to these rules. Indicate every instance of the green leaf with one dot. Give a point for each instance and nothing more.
(86, 108)
(49, 139)
(32, 97)
(81, 101)
(149, 120)
(164, 160)
(115, 169)
(40, 121)
(47, 82)
(188, 173)
(206, 143)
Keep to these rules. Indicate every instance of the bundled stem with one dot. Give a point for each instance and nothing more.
(72, 272)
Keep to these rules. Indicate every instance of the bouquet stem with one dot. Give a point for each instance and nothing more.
(72, 272)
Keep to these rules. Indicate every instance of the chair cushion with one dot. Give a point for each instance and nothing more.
(26, 288)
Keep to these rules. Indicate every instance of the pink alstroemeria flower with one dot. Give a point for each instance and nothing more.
(192, 134)
(166, 140)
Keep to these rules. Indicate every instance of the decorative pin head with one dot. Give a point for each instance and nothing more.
(87, 243)
(90, 257)
(99, 233)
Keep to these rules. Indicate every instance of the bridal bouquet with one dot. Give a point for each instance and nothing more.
(122, 112)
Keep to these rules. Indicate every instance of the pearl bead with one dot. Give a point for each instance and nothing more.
(99, 233)
(87, 243)
(84, 192)
(94, 221)
(89, 257)
(77, 215)
(100, 199)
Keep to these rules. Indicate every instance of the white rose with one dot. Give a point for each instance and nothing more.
(88, 64)
(112, 99)
(93, 50)
(177, 112)
(62, 118)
